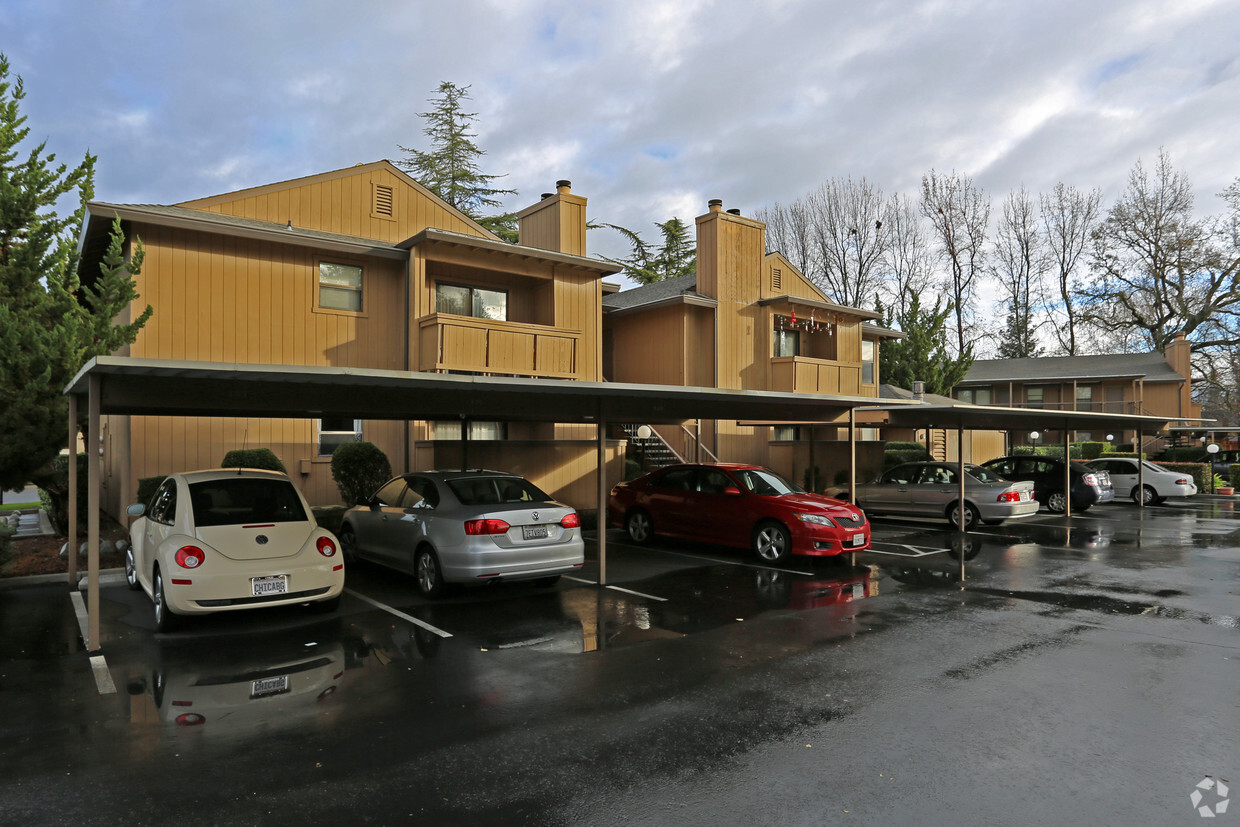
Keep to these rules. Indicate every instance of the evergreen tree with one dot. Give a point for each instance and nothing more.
(50, 323)
(923, 354)
(450, 167)
(677, 256)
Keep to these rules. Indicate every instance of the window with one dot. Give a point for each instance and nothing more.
(340, 286)
(785, 433)
(974, 396)
(678, 479)
(391, 492)
(867, 362)
(1033, 397)
(478, 431)
(164, 503)
(787, 343)
(422, 493)
(241, 500)
(1084, 397)
(711, 481)
(478, 302)
(336, 430)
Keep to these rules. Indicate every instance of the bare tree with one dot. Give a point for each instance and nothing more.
(909, 261)
(850, 239)
(1019, 264)
(960, 214)
(1068, 219)
(788, 232)
(1158, 271)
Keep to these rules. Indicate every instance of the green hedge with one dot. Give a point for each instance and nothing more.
(359, 468)
(893, 458)
(903, 446)
(261, 458)
(1200, 472)
(54, 494)
(1234, 475)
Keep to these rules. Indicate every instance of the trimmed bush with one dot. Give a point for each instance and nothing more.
(1234, 475)
(261, 458)
(5, 534)
(1200, 472)
(54, 493)
(903, 446)
(147, 487)
(359, 468)
(893, 458)
(1089, 450)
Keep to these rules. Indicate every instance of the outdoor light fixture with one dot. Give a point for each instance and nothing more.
(1110, 437)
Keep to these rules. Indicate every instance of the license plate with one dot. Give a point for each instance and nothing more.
(268, 686)
(534, 532)
(272, 584)
(1024, 496)
(858, 539)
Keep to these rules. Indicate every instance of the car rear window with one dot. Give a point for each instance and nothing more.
(496, 490)
(245, 501)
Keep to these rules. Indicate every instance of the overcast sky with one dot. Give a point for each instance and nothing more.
(650, 108)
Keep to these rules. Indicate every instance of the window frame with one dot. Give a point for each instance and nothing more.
(473, 300)
(319, 307)
(319, 432)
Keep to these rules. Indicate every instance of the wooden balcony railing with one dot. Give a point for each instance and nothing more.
(800, 374)
(463, 343)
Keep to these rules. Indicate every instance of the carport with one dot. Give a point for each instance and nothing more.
(154, 387)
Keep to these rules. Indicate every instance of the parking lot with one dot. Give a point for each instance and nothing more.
(1046, 671)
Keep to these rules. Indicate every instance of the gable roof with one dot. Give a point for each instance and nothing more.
(680, 290)
(1149, 367)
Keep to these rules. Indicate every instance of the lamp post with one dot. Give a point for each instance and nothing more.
(1211, 450)
(1033, 438)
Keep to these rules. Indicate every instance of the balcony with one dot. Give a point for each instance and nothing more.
(801, 374)
(464, 343)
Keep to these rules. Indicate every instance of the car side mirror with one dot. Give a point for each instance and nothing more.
(136, 510)
(732, 491)
(373, 503)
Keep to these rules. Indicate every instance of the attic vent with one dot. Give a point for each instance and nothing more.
(777, 277)
(382, 201)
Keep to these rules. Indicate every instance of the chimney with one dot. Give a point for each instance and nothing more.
(730, 254)
(919, 389)
(557, 222)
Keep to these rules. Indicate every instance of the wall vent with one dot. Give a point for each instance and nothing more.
(383, 201)
(777, 277)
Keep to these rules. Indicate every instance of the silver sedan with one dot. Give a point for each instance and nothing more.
(932, 489)
(465, 527)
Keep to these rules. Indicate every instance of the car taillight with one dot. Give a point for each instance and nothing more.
(486, 527)
(1091, 479)
(1183, 481)
(190, 719)
(571, 521)
(326, 547)
(1009, 497)
(190, 557)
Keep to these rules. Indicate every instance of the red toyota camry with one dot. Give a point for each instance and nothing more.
(737, 505)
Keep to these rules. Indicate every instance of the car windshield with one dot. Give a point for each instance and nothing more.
(981, 474)
(496, 490)
(766, 483)
(245, 501)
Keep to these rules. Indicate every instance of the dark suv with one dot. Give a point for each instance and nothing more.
(1089, 487)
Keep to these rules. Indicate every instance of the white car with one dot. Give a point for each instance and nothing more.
(1159, 483)
(230, 539)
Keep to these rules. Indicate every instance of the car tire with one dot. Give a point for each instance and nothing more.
(771, 542)
(1151, 496)
(325, 606)
(639, 526)
(165, 618)
(131, 570)
(348, 544)
(1057, 502)
(970, 515)
(427, 573)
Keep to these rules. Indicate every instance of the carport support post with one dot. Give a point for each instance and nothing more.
(852, 455)
(602, 501)
(71, 547)
(1141, 472)
(1067, 472)
(92, 513)
(960, 483)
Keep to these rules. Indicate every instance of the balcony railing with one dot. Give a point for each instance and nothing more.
(463, 343)
(1127, 407)
(801, 374)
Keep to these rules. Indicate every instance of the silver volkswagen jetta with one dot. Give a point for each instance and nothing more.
(465, 527)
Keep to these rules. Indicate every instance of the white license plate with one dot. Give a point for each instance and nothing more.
(534, 532)
(272, 584)
(858, 539)
(268, 686)
(1024, 496)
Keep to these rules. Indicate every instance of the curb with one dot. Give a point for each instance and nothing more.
(106, 576)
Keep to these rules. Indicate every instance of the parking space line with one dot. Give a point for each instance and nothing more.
(916, 551)
(103, 678)
(714, 559)
(428, 627)
(615, 588)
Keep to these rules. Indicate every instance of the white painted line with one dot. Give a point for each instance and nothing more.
(103, 678)
(581, 580)
(717, 560)
(428, 627)
(639, 594)
(926, 553)
(79, 609)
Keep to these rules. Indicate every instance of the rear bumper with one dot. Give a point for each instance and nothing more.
(479, 561)
(197, 592)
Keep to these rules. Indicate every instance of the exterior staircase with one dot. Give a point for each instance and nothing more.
(649, 452)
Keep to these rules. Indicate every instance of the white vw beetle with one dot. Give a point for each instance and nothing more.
(230, 539)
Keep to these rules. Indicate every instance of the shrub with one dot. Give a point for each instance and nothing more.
(359, 468)
(54, 493)
(1234, 475)
(146, 488)
(903, 446)
(1089, 450)
(893, 458)
(261, 458)
(5, 533)
(1200, 472)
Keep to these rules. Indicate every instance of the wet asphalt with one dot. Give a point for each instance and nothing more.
(1084, 670)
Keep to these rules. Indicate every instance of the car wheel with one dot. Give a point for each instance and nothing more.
(131, 570)
(429, 575)
(1151, 496)
(348, 543)
(970, 518)
(325, 606)
(771, 541)
(1057, 502)
(165, 618)
(639, 526)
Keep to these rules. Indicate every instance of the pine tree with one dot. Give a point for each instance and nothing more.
(450, 167)
(645, 265)
(923, 354)
(50, 323)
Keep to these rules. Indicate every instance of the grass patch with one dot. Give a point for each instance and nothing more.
(20, 506)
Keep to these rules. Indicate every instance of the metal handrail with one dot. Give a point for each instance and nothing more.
(698, 442)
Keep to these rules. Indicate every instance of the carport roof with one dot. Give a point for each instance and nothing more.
(994, 418)
(154, 387)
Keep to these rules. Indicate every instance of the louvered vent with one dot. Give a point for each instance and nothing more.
(383, 200)
(777, 277)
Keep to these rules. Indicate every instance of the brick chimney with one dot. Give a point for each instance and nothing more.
(556, 223)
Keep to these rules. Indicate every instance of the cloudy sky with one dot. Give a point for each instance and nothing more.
(650, 108)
